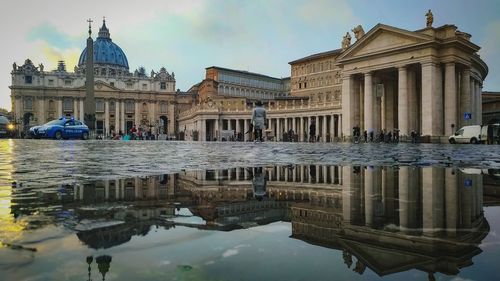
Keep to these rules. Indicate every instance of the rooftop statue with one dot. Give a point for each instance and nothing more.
(358, 32)
(346, 42)
(430, 18)
(41, 67)
(14, 66)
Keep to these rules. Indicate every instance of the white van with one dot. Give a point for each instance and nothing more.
(468, 134)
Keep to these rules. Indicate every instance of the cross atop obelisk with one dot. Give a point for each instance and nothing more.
(90, 21)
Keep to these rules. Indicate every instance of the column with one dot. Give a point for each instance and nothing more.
(316, 119)
(229, 125)
(245, 128)
(369, 102)
(137, 114)
(464, 97)
(432, 101)
(347, 104)
(323, 134)
(42, 119)
(278, 129)
(59, 108)
(450, 99)
(122, 118)
(238, 128)
(479, 110)
(332, 127)
(81, 110)
(403, 101)
(413, 120)
(75, 108)
(106, 118)
(117, 117)
(294, 126)
(217, 129)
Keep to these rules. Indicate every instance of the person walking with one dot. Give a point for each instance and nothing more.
(259, 120)
(312, 131)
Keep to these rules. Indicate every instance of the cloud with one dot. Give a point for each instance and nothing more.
(53, 36)
(491, 55)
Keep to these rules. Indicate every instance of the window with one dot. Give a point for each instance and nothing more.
(305, 85)
(67, 104)
(28, 103)
(67, 82)
(300, 85)
(51, 82)
(144, 86)
(112, 106)
(52, 106)
(129, 107)
(163, 86)
(112, 84)
(129, 85)
(28, 79)
(163, 107)
(99, 106)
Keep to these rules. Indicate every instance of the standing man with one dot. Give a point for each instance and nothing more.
(259, 120)
(312, 131)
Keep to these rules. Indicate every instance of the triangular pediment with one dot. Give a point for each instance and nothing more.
(102, 86)
(384, 38)
(386, 261)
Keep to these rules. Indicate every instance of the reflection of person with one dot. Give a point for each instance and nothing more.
(259, 120)
(259, 183)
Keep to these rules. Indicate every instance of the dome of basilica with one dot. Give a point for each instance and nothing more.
(105, 52)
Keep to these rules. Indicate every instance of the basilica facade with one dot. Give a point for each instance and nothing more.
(123, 98)
(426, 82)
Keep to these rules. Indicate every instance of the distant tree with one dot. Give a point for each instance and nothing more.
(4, 111)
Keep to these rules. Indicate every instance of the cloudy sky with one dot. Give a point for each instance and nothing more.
(255, 35)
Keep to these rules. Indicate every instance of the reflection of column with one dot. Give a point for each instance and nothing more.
(106, 189)
(117, 189)
(432, 200)
(369, 208)
(403, 198)
(451, 201)
(388, 192)
(351, 194)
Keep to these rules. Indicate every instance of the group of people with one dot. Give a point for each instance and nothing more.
(383, 136)
(134, 134)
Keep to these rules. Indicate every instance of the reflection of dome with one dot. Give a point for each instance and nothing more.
(105, 52)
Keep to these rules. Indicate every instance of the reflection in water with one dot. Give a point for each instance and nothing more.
(103, 264)
(387, 219)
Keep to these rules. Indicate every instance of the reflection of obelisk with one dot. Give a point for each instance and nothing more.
(89, 71)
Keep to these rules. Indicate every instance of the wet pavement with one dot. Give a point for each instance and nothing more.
(146, 210)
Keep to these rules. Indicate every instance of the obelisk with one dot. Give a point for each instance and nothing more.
(89, 73)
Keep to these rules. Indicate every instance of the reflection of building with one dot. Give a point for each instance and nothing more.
(122, 98)
(430, 219)
(385, 219)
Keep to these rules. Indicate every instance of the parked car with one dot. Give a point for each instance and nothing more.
(468, 134)
(7, 129)
(62, 128)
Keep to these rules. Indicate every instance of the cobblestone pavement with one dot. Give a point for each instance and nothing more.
(51, 162)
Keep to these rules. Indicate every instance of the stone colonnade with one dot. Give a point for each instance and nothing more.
(428, 98)
(328, 127)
